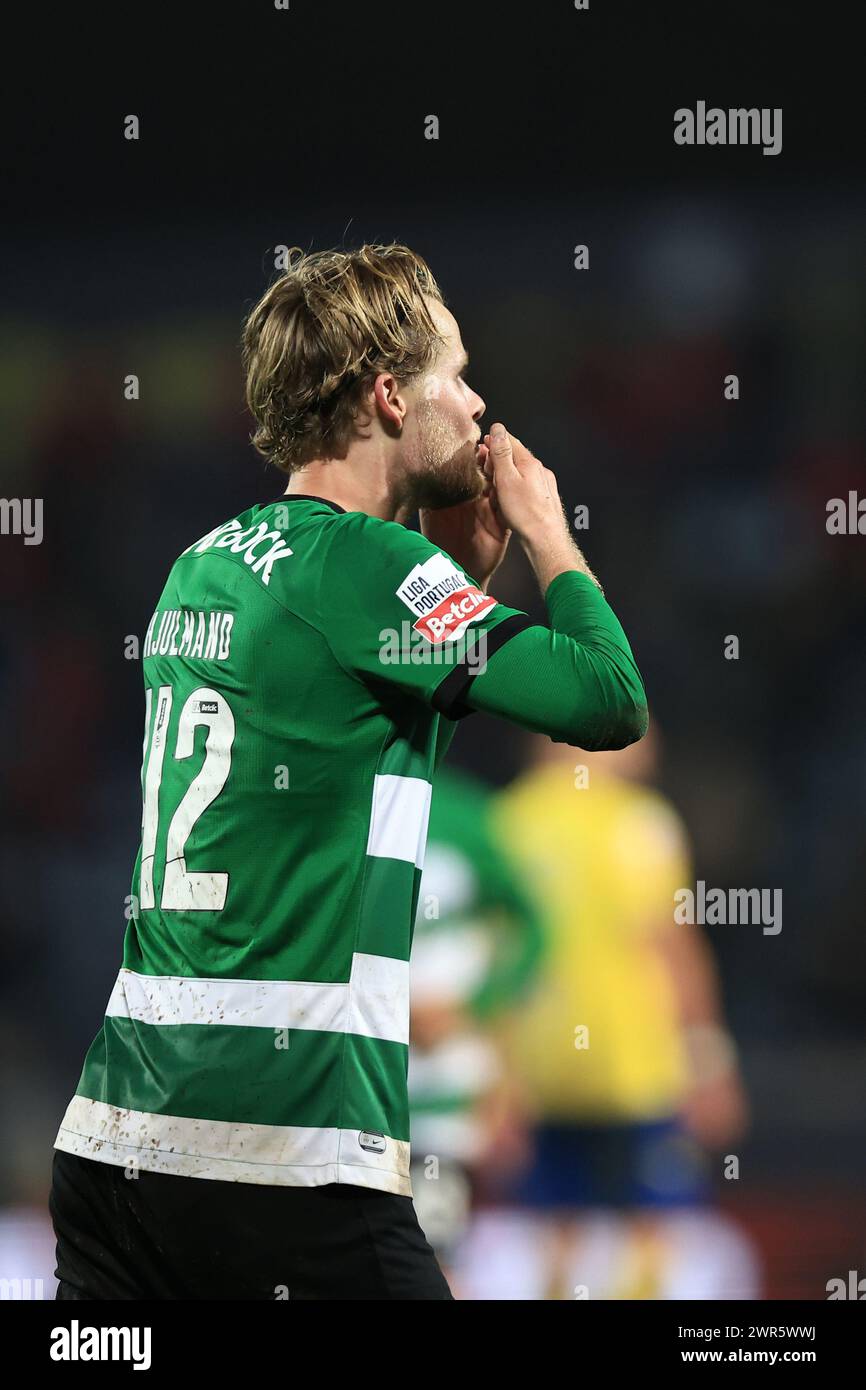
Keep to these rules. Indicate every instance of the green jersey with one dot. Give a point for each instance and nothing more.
(478, 941)
(296, 670)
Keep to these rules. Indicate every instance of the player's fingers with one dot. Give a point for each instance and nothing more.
(487, 466)
(501, 452)
(550, 482)
(524, 459)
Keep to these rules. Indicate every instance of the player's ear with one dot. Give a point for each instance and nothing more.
(390, 401)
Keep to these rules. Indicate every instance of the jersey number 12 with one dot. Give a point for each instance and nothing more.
(183, 891)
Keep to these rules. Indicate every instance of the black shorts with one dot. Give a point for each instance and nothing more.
(160, 1236)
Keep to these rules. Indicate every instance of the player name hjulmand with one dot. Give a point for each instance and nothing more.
(190, 632)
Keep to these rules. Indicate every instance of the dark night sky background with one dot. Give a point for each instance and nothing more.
(261, 127)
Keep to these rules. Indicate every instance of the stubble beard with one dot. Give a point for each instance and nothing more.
(448, 471)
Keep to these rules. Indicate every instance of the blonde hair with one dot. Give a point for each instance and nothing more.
(317, 338)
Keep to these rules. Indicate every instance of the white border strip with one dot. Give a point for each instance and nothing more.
(271, 1155)
(374, 1002)
(399, 817)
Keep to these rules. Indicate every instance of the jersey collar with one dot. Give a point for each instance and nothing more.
(308, 497)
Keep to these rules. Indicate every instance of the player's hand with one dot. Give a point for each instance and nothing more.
(472, 533)
(506, 1146)
(432, 1023)
(525, 494)
(717, 1111)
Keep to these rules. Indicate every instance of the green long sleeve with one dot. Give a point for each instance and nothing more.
(576, 680)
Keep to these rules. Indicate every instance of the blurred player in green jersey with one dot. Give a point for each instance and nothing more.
(478, 940)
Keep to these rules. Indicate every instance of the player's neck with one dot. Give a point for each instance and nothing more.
(355, 485)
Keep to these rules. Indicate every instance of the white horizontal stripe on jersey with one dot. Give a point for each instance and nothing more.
(278, 1155)
(455, 1136)
(399, 818)
(373, 1003)
(379, 998)
(466, 1065)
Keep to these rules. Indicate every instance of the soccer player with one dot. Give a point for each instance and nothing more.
(240, 1128)
(623, 1049)
(476, 950)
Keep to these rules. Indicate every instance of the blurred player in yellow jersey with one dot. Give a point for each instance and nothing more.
(623, 1052)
